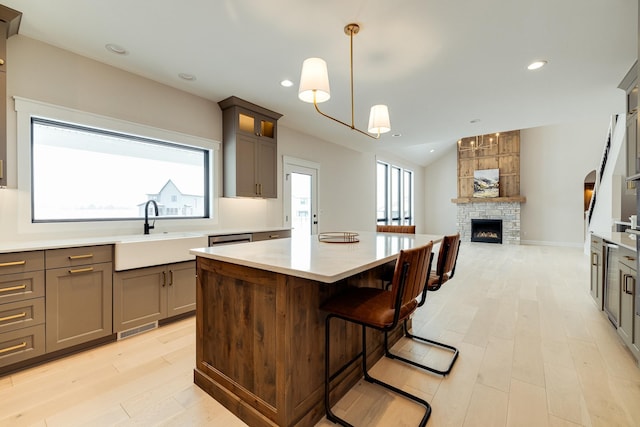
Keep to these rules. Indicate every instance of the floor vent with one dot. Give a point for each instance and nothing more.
(135, 331)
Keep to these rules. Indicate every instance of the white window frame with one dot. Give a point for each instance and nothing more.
(27, 108)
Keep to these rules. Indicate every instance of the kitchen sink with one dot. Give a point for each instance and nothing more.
(144, 250)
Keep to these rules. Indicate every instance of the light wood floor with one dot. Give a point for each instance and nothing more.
(534, 351)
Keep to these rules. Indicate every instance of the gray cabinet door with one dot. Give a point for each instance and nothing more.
(78, 305)
(246, 179)
(596, 271)
(266, 168)
(627, 286)
(181, 291)
(139, 297)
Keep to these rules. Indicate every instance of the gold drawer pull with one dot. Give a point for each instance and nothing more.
(81, 270)
(72, 257)
(13, 288)
(274, 236)
(15, 347)
(629, 258)
(13, 263)
(12, 317)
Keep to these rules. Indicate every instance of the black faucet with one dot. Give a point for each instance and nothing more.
(148, 227)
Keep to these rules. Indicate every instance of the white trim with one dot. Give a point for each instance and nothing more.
(546, 243)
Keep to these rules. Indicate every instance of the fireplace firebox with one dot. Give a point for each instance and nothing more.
(486, 230)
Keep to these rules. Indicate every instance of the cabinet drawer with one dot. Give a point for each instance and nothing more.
(70, 257)
(23, 344)
(21, 286)
(267, 235)
(628, 258)
(20, 262)
(21, 314)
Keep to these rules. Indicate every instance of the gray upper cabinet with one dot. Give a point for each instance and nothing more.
(250, 135)
(630, 85)
(9, 25)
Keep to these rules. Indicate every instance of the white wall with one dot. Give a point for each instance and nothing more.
(42, 72)
(441, 185)
(554, 161)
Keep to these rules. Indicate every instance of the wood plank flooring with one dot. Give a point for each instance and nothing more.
(534, 351)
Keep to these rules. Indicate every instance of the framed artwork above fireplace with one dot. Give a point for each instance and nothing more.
(486, 183)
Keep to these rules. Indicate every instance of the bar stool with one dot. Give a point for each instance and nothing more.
(445, 269)
(382, 310)
(408, 229)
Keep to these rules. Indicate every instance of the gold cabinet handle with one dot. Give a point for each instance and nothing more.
(81, 270)
(13, 288)
(72, 257)
(164, 279)
(15, 347)
(170, 277)
(13, 263)
(13, 317)
(629, 258)
(274, 236)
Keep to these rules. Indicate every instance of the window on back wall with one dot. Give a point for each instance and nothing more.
(394, 195)
(86, 174)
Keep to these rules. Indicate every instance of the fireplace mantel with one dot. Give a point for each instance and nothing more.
(512, 199)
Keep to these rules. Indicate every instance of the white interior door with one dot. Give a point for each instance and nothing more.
(301, 196)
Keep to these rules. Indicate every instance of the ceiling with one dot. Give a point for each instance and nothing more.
(439, 65)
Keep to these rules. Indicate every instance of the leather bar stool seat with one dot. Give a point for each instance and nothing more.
(382, 310)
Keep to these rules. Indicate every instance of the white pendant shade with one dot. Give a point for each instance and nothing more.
(314, 79)
(379, 119)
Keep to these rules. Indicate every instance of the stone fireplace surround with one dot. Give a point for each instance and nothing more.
(508, 212)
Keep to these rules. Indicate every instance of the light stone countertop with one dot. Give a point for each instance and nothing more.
(57, 243)
(618, 238)
(307, 257)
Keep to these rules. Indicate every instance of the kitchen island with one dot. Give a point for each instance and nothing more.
(259, 330)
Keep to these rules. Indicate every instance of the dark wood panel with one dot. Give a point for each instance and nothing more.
(260, 342)
(503, 155)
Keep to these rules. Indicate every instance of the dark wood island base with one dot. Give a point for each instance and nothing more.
(260, 342)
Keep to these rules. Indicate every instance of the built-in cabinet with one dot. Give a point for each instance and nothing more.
(250, 135)
(146, 295)
(22, 307)
(630, 85)
(9, 25)
(78, 295)
(268, 235)
(627, 279)
(597, 271)
(617, 265)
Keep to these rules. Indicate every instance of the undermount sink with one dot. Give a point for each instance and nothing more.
(145, 250)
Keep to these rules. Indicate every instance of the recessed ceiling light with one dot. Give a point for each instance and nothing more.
(475, 121)
(432, 150)
(536, 65)
(114, 48)
(187, 77)
(397, 135)
(286, 83)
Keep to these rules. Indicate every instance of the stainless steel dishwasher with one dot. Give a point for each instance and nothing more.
(230, 239)
(612, 283)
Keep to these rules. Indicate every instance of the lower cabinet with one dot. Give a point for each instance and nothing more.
(635, 347)
(629, 325)
(145, 295)
(627, 287)
(78, 296)
(597, 271)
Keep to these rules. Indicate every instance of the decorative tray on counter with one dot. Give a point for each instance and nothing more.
(338, 237)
